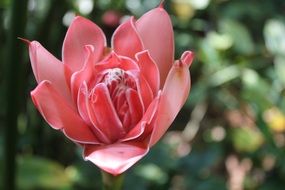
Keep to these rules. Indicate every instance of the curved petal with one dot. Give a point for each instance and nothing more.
(85, 74)
(56, 111)
(187, 58)
(115, 61)
(149, 70)
(146, 120)
(126, 40)
(174, 95)
(115, 158)
(46, 67)
(155, 30)
(81, 103)
(103, 114)
(136, 107)
(82, 32)
(145, 91)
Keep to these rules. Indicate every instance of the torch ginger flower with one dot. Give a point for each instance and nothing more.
(115, 104)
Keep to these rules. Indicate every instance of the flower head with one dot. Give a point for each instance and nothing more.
(116, 105)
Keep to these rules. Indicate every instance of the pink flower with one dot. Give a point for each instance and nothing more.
(116, 103)
(111, 18)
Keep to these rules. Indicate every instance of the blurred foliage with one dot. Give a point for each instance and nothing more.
(229, 135)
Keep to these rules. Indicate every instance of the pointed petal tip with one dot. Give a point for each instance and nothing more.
(114, 55)
(123, 35)
(133, 19)
(81, 32)
(26, 41)
(142, 53)
(161, 4)
(186, 58)
(77, 16)
(160, 44)
(80, 18)
(89, 48)
(45, 83)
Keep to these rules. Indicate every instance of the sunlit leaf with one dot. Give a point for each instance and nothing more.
(246, 139)
(256, 89)
(4, 3)
(274, 31)
(210, 57)
(242, 41)
(275, 119)
(220, 41)
(279, 65)
(224, 75)
(183, 9)
(40, 173)
(152, 173)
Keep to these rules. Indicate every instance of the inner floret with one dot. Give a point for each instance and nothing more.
(124, 95)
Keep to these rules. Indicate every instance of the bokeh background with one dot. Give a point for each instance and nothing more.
(230, 133)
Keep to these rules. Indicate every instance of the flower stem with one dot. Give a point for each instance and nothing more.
(111, 182)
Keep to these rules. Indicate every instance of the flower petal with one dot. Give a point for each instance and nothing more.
(145, 91)
(116, 61)
(144, 122)
(155, 30)
(59, 115)
(187, 58)
(149, 70)
(126, 40)
(103, 114)
(82, 32)
(46, 67)
(81, 103)
(115, 158)
(174, 95)
(85, 74)
(136, 107)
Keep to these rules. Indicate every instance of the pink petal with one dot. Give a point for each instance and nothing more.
(174, 95)
(126, 40)
(82, 32)
(145, 91)
(116, 61)
(85, 74)
(187, 58)
(103, 114)
(81, 103)
(115, 158)
(149, 70)
(135, 106)
(46, 67)
(144, 122)
(155, 30)
(59, 115)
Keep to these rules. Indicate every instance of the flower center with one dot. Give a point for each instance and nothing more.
(118, 80)
(115, 74)
(120, 83)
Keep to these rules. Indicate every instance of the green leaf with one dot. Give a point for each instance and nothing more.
(242, 41)
(220, 41)
(40, 173)
(224, 75)
(152, 172)
(247, 139)
(279, 64)
(274, 31)
(256, 90)
(4, 3)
